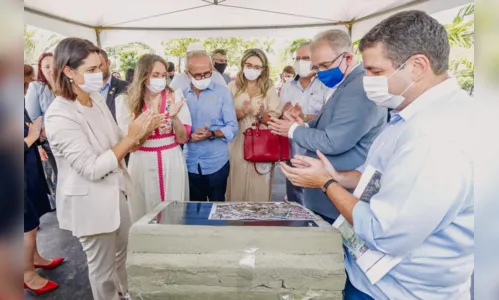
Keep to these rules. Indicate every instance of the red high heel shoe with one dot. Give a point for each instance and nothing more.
(55, 263)
(45, 289)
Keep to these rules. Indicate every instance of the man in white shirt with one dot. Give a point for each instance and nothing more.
(422, 210)
(305, 95)
(182, 81)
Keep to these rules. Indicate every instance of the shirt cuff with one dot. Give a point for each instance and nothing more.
(292, 130)
(362, 224)
(228, 135)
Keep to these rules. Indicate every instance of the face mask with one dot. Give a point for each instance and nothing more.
(220, 67)
(376, 88)
(331, 77)
(303, 68)
(156, 85)
(93, 82)
(251, 74)
(288, 79)
(201, 84)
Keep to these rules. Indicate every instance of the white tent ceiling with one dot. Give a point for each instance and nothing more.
(120, 21)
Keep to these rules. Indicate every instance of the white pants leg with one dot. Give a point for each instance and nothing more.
(106, 257)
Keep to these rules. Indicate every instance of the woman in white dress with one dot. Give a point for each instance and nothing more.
(157, 166)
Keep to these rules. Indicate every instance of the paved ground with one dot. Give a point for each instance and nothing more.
(72, 276)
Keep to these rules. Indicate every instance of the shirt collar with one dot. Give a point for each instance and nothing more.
(439, 91)
(108, 83)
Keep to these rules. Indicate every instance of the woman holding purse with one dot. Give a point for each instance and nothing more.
(89, 151)
(256, 100)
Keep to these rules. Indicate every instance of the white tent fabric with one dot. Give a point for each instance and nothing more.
(111, 22)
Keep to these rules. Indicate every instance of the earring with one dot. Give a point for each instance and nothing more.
(70, 79)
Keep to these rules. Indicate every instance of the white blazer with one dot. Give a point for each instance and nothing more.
(88, 186)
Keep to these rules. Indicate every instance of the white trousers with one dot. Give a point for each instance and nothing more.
(106, 257)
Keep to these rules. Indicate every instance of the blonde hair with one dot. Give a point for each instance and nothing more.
(137, 89)
(263, 82)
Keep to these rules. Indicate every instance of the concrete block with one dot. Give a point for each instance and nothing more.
(212, 262)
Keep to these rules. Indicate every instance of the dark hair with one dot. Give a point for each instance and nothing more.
(288, 69)
(70, 52)
(218, 51)
(171, 67)
(28, 75)
(104, 53)
(409, 33)
(129, 75)
(28, 71)
(39, 74)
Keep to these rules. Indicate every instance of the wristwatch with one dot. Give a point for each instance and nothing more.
(213, 136)
(327, 184)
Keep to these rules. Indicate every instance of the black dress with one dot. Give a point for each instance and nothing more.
(36, 189)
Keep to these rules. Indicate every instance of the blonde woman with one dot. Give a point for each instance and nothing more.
(255, 100)
(157, 166)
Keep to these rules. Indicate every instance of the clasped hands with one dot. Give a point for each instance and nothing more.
(151, 119)
(309, 172)
(292, 114)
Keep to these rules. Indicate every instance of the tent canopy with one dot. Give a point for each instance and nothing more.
(112, 22)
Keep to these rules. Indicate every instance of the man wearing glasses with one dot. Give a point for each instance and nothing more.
(304, 96)
(214, 125)
(219, 57)
(348, 123)
(182, 80)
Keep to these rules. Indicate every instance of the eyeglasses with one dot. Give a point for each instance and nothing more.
(254, 67)
(306, 58)
(201, 76)
(326, 65)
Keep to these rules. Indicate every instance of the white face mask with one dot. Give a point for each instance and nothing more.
(93, 82)
(288, 79)
(156, 85)
(303, 68)
(376, 88)
(251, 74)
(201, 84)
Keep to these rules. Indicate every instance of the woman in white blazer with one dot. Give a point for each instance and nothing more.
(89, 151)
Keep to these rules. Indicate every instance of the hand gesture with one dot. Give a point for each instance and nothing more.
(260, 110)
(287, 107)
(298, 111)
(175, 108)
(246, 107)
(34, 129)
(288, 116)
(201, 134)
(144, 124)
(43, 154)
(309, 172)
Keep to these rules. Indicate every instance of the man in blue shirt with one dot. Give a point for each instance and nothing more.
(421, 210)
(214, 125)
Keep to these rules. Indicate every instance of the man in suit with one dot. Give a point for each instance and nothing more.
(111, 86)
(348, 123)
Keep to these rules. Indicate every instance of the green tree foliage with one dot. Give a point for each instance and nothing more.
(291, 48)
(461, 32)
(235, 47)
(37, 42)
(125, 56)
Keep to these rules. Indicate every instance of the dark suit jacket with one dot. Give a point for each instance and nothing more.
(117, 87)
(343, 132)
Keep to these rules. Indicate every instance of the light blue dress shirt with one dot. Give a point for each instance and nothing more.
(38, 99)
(106, 87)
(424, 210)
(214, 107)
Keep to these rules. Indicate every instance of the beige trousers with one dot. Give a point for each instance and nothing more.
(106, 257)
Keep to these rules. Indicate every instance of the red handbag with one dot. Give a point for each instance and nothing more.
(262, 146)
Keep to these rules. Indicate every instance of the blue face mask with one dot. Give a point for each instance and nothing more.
(333, 76)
